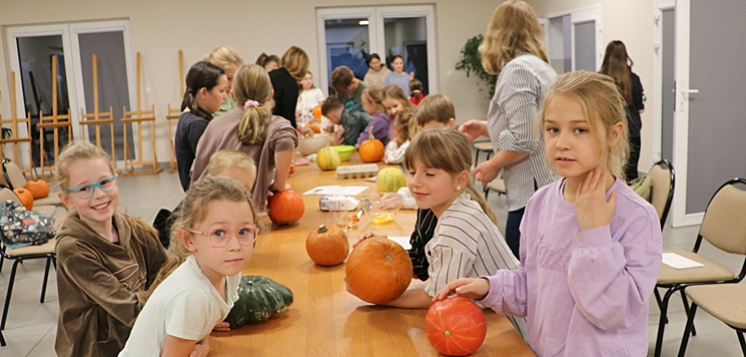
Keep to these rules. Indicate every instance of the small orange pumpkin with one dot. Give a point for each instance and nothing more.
(314, 127)
(286, 207)
(38, 188)
(371, 150)
(455, 326)
(327, 246)
(378, 270)
(317, 112)
(27, 199)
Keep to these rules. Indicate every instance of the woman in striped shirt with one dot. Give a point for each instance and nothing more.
(513, 49)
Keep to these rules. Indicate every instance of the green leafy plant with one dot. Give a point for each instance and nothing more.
(471, 62)
(7, 133)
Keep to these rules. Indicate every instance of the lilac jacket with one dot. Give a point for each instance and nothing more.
(584, 293)
(380, 124)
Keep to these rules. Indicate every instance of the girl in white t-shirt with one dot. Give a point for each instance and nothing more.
(309, 98)
(201, 280)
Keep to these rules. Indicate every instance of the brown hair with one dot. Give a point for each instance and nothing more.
(224, 57)
(251, 83)
(264, 59)
(295, 60)
(393, 91)
(405, 125)
(193, 211)
(224, 159)
(603, 106)
(342, 77)
(514, 26)
(435, 107)
(330, 104)
(415, 84)
(202, 74)
(448, 150)
(618, 66)
(374, 95)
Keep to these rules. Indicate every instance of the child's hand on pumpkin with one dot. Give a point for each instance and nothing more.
(591, 206)
(222, 327)
(475, 289)
(365, 236)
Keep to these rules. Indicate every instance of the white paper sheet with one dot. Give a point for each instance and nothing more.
(678, 262)
(402, 241)
(337, 190)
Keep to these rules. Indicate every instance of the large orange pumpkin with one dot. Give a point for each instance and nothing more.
(378, 270)
(455, 326)
(371, 150)
(38, 188)
(27, 199)
(286, 207)
(327, 246)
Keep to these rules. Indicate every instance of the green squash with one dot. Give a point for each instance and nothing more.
(258, 298)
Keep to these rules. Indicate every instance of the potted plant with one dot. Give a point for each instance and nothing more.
(471, 62)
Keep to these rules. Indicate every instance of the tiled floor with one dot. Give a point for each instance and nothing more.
(31, 326)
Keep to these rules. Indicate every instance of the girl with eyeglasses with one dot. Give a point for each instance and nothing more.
(105, 258)
(212, 239)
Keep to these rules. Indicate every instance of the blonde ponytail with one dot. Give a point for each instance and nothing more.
(253, 89)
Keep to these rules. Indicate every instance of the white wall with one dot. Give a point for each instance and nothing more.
(632, 23)
(160, 28)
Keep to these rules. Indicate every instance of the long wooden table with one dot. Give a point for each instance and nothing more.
(325, 320)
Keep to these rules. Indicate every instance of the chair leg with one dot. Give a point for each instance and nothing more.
(658, 299)
(688, 330)
(44, 283)
(740, 340)
(662, 322)
(2, 258)
(10, 291)
(2, 339)
(686, 308)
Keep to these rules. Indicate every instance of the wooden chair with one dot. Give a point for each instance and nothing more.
(722, 301)
(724, 227)
(44, 251)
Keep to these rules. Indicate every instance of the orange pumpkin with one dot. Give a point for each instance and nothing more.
(378, 270)
(327, 246)
(455, 326)
(38, 188)
(371, 150)
(286, 207)
(27, 199)
(314, 127)
(317, 112)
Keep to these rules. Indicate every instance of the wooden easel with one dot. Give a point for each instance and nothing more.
(175, 113)
(96, 119)
(15, 138)
(139, 117)
(54, 122)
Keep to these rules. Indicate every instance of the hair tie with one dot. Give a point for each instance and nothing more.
(367, 94)
(250, 104)
(190, 91)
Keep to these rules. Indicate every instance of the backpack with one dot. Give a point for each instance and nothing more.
(20, 228)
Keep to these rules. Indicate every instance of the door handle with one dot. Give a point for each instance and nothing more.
(690, 91)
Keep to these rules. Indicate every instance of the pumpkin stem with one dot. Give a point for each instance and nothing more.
(323, 229)
(370, 133)
(447, 333)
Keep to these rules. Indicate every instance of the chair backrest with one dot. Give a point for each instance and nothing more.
(663, 178)
(7, 194)
(15, 176)
(724, 225)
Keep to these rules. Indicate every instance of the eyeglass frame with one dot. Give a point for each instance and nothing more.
(93, 186)
(254, 229)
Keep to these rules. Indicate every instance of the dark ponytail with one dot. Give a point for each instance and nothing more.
(201, 75)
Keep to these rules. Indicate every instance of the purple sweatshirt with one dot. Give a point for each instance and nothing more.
(583, 293)
(380, 124)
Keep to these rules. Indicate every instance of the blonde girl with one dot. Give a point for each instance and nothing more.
(104, 258)
(591, 246)
(269, 140)
(212, 240)
(400, 111)
(228, 59)
(513, 47)
(285, 81)
(372, 100)
(466, 241)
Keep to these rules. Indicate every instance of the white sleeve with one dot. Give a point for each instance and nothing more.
(187, 315)
(409, 201)
(395, 153)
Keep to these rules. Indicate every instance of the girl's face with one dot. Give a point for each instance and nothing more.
(393, 106)
(432, 188)
(229, 73)
(211, 100)
(91, 177)
(371, 108)
(375, 64)
(398, 65)
(572, 145)
(271, 66)
(224, 219)
(307, 81)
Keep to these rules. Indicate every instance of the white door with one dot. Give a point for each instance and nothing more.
(576, 39)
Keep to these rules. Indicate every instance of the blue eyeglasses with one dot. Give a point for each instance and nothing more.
(85, 191)
(220, 237)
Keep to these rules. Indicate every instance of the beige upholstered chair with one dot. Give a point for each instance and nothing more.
(663, 178)
(482, 146)
(724, 227)
(722, 301)
(16, 179)
(497, 185)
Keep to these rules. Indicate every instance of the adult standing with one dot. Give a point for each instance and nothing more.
(377, 72)
(618, 66)
(514, 50)
(285, 82)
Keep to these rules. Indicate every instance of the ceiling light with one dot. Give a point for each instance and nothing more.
(363, 22)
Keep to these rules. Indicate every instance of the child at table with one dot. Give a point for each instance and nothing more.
(591, 246)
(372, 101)
(401, 112)
(197, 287)
(105, 258)
(435, 111)
(351, 117)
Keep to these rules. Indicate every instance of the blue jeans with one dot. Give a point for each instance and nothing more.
(513, 232)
